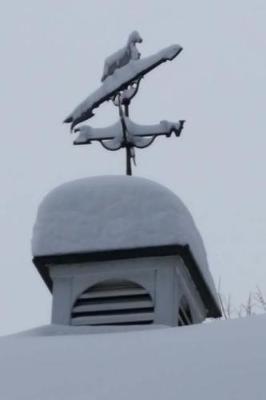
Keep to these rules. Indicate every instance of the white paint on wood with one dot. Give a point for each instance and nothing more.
(113, 319)
(118, 305)
(113, 293)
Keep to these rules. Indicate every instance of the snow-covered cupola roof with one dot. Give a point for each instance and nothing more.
(110, 213)
(118, 217)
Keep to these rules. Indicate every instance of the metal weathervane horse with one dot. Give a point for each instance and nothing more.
(121, 78)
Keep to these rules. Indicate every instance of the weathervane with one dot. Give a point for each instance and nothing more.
(122, 74)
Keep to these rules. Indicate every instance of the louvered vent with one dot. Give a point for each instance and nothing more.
(184, 314)
(113, 302)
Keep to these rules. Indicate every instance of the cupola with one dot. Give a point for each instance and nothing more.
(122, 250)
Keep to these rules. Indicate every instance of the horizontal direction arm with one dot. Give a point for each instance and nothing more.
(113, 138)
(164, 128)
(119, 81)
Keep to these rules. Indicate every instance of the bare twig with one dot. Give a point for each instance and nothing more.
(260, 299)
(255, 303)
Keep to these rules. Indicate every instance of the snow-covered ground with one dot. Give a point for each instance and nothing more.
(223, 360)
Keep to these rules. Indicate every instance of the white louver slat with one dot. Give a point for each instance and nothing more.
(114, 306)
(113, 319)
(111, 293)
(184, 315)
(113, 302)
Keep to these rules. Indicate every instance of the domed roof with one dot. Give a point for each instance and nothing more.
(114, 212)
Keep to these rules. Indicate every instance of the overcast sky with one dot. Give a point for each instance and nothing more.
(52, 55)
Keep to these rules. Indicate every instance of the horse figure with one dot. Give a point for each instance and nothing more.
(123, 56)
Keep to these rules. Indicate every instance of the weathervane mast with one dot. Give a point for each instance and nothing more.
(121, 78)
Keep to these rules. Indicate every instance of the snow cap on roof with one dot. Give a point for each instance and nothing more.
(115, 213)
(111, 212)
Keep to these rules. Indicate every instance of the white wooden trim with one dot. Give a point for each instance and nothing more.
(111, 319)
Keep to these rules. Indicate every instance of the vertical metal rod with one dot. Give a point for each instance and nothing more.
(128, 154)
(128, 161)
(127, 109)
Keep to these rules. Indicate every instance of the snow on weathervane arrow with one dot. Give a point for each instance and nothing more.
(122, 74)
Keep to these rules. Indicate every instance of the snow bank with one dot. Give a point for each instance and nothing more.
(224, 360)
(70, 330)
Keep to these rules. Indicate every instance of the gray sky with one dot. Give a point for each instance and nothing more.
(52, 55)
